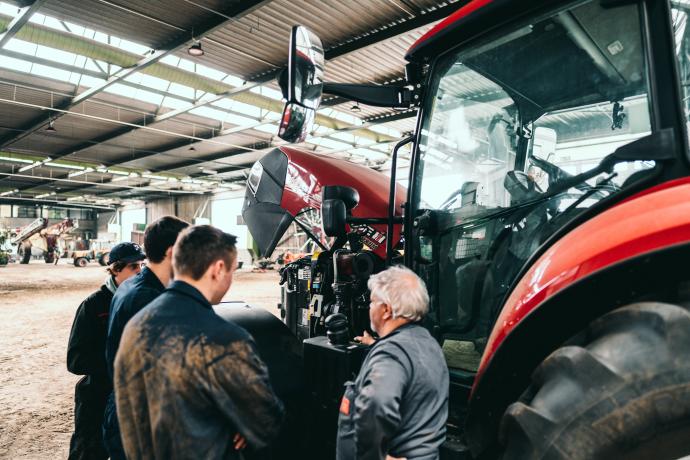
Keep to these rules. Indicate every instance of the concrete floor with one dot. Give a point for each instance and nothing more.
(37, 306)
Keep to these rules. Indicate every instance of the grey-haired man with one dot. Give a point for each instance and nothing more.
(398, 405)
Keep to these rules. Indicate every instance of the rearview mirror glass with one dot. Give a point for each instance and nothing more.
(304, 84)
(295, 122)
(305, 71)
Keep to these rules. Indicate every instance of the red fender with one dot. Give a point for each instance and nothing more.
(651, 220)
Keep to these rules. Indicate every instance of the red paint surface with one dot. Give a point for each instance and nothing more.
(308, 172)
(448, 22)
(649, 222)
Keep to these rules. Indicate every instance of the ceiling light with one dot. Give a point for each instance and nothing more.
(192, 148)
(31, 166)
(195, 50)
(18, 160)
(209, 171)
(63, 165)
(355, 108)
(51, 127)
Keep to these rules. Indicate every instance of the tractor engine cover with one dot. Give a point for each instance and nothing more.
(286, 181)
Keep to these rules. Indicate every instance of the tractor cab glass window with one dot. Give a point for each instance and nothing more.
(508, 122)
(680, 11)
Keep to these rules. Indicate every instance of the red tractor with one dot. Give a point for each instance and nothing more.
(548, 212)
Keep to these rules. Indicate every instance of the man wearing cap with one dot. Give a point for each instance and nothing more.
(86, 354)
(135, 294)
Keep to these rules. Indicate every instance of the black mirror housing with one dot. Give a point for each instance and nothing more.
(333, 217)
(348, 195)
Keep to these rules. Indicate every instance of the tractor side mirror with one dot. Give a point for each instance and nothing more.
(333, 217)
(304, 84)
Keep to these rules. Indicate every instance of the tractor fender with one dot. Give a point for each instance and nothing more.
(281, 351)
(636, 226)
(633, 249)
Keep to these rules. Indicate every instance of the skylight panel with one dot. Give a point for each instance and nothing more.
(15, 64)
(186, 64)
(268, 92)
(154, 82)
(101, 37)
(181, 90)
(237, 120)
(52, 23)
(147, 96)
(132, 47)
(170, 59)
(209, 72)
(50, 72)
(271, 129)
(76, 28)
(90, 81)
(56, 55)
(90, 65)
(20, 46)
(331, 144)
(233, 80)
(122, 90)
(174, 103)
(7, 9)
(235, 106)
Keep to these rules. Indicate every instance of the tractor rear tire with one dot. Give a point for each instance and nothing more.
(49, 258)
(81, 262)
(26, 256)
(624, 394)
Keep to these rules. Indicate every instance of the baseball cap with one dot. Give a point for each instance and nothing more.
(126, 252)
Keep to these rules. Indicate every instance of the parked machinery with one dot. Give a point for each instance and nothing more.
(42, 237)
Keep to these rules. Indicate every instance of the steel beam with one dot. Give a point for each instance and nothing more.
(18, 22)
(237, 10)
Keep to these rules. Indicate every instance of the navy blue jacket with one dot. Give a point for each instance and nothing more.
(186, 381)
(133, 295)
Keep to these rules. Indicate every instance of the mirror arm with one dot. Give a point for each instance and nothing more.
(376, 95)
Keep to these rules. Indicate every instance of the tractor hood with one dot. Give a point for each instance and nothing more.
(286, 181)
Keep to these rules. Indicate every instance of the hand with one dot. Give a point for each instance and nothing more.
(365, 339)
(388, 457)
(239, 442)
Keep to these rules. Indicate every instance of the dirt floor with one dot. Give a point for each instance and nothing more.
(37, 305)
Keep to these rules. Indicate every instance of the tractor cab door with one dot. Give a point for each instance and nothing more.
(507, 124)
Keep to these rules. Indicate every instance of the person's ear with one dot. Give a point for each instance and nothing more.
(218, 269)
(387, 311)
(169, 253)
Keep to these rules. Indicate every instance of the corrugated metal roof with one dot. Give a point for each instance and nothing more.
(251, 45)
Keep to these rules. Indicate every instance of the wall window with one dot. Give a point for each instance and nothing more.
(27, 211)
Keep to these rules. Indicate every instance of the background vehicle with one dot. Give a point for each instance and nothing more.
(548, 213)
(83, 252)
(39, 238)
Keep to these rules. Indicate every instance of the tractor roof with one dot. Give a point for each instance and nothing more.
(474, 18)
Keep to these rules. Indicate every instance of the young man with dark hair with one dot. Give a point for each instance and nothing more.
(86, 354)
(159, 238)
(188, 383)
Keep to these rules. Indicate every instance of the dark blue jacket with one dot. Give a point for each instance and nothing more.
(186, 381)
(133, 295)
